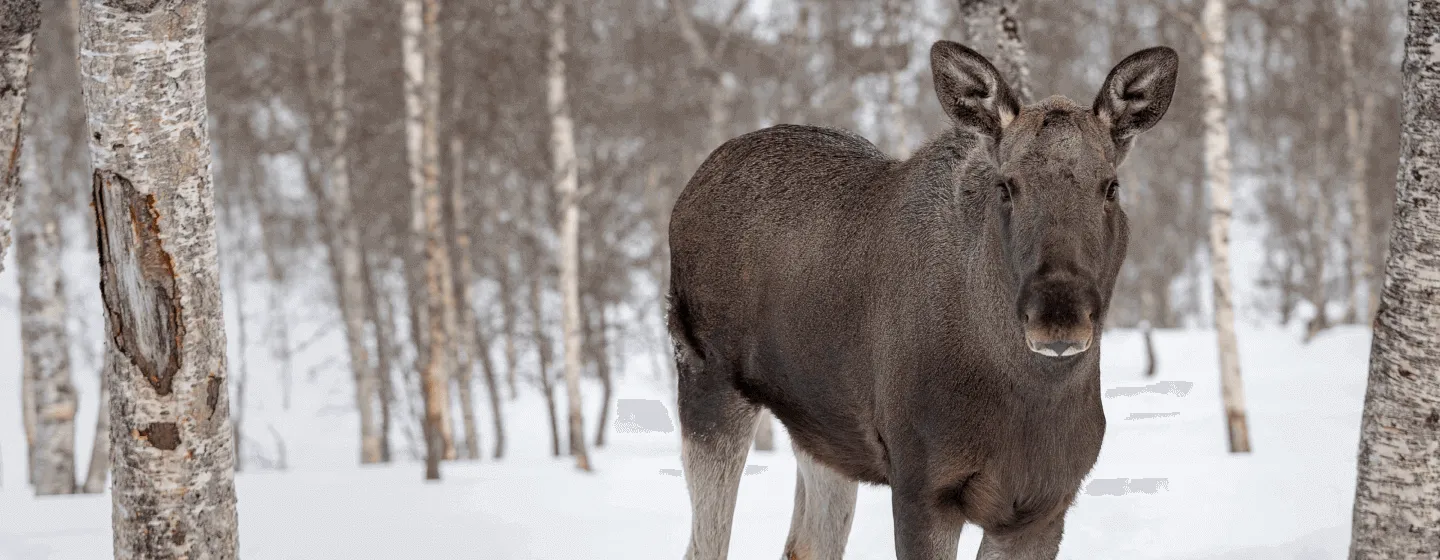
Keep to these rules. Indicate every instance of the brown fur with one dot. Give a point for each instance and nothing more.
(879, 308)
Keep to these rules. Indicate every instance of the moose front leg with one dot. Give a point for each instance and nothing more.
(922, 532)
(1037, 542)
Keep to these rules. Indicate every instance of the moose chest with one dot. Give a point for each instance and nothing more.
(1031, 472)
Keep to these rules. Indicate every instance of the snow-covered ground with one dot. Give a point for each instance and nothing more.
(1185, 497)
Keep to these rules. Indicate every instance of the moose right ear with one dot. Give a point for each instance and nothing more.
(971, 89)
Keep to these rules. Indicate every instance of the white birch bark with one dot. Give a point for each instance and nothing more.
(465, 343)
(567, 186)
(991, 29)
(418, 21)
(99, 471)
(347, 242)
(1361, 272)
(17, 53)
(172, 456)
(1397, 491)
(1217, 178)
(44, 341)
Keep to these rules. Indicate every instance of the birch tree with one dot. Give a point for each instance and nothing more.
(43, 338)
(172, 457)
(992, 29)
(1217, 179)
(465, 342)
(707, 57)
(17, 52)
(419, 22)
(1360, 298)
(346, 241)
(567, 186)
(1397, 490)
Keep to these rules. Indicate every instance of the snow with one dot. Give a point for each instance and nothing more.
(1187, 498)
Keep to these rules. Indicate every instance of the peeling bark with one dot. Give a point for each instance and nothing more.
(45, 344)
(172, 456)
(17, 53)
(1217, 178)
(1397, 492)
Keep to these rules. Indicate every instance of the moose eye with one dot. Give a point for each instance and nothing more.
(1005, 186)
(1113, 190)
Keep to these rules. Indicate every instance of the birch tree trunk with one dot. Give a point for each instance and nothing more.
(17, 52)
(991, 29)
(419, 22)
(542, 351)
(567, 183)
(1397, 491)
(100, 449)
(384, 352)
(895, 111)
(1217, 178)
(1361, 294)
(508, 310)
(172, 457)
(43, 338)
(351, 285)
(464, 268)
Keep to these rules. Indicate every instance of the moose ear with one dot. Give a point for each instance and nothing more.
(1136, 93)
(971, 89)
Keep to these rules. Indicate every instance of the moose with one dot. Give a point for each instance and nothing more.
(929, 324)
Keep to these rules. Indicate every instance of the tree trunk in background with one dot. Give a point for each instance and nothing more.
(100, 448)
(542, 351)
(17, 52)
(173, 460)
(601, 352)
(492, 386)
(566, 174)
(508, 309)
(242, 367)
(1217, 178)
(992, 29)
(464, 272)
(385, 352)
(340, 220)
(1397, 508)
(765, 431)
(449, 314)
(895, 128)
(417, 21)
(1361, 295)
(44, 341)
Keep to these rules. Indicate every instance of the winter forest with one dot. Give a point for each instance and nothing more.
(390, 279)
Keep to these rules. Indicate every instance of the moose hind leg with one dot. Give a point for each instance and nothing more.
(716, 425)
(824, 509)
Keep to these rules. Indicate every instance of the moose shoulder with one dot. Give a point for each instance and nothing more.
(930, 324)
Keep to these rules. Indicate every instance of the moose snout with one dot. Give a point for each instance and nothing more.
(1059, 316)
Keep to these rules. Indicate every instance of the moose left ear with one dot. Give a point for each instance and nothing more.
(1136, 94)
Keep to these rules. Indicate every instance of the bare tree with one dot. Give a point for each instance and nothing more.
(17, 51)
(1362, 275)
(707, 57)
(44, 340)
(345, 234)
(418, 25)
(99, 470)
(991, 27)
(567, 189)
(1217, 176)
(172, 456)
(464, 275)
(1397, 511)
